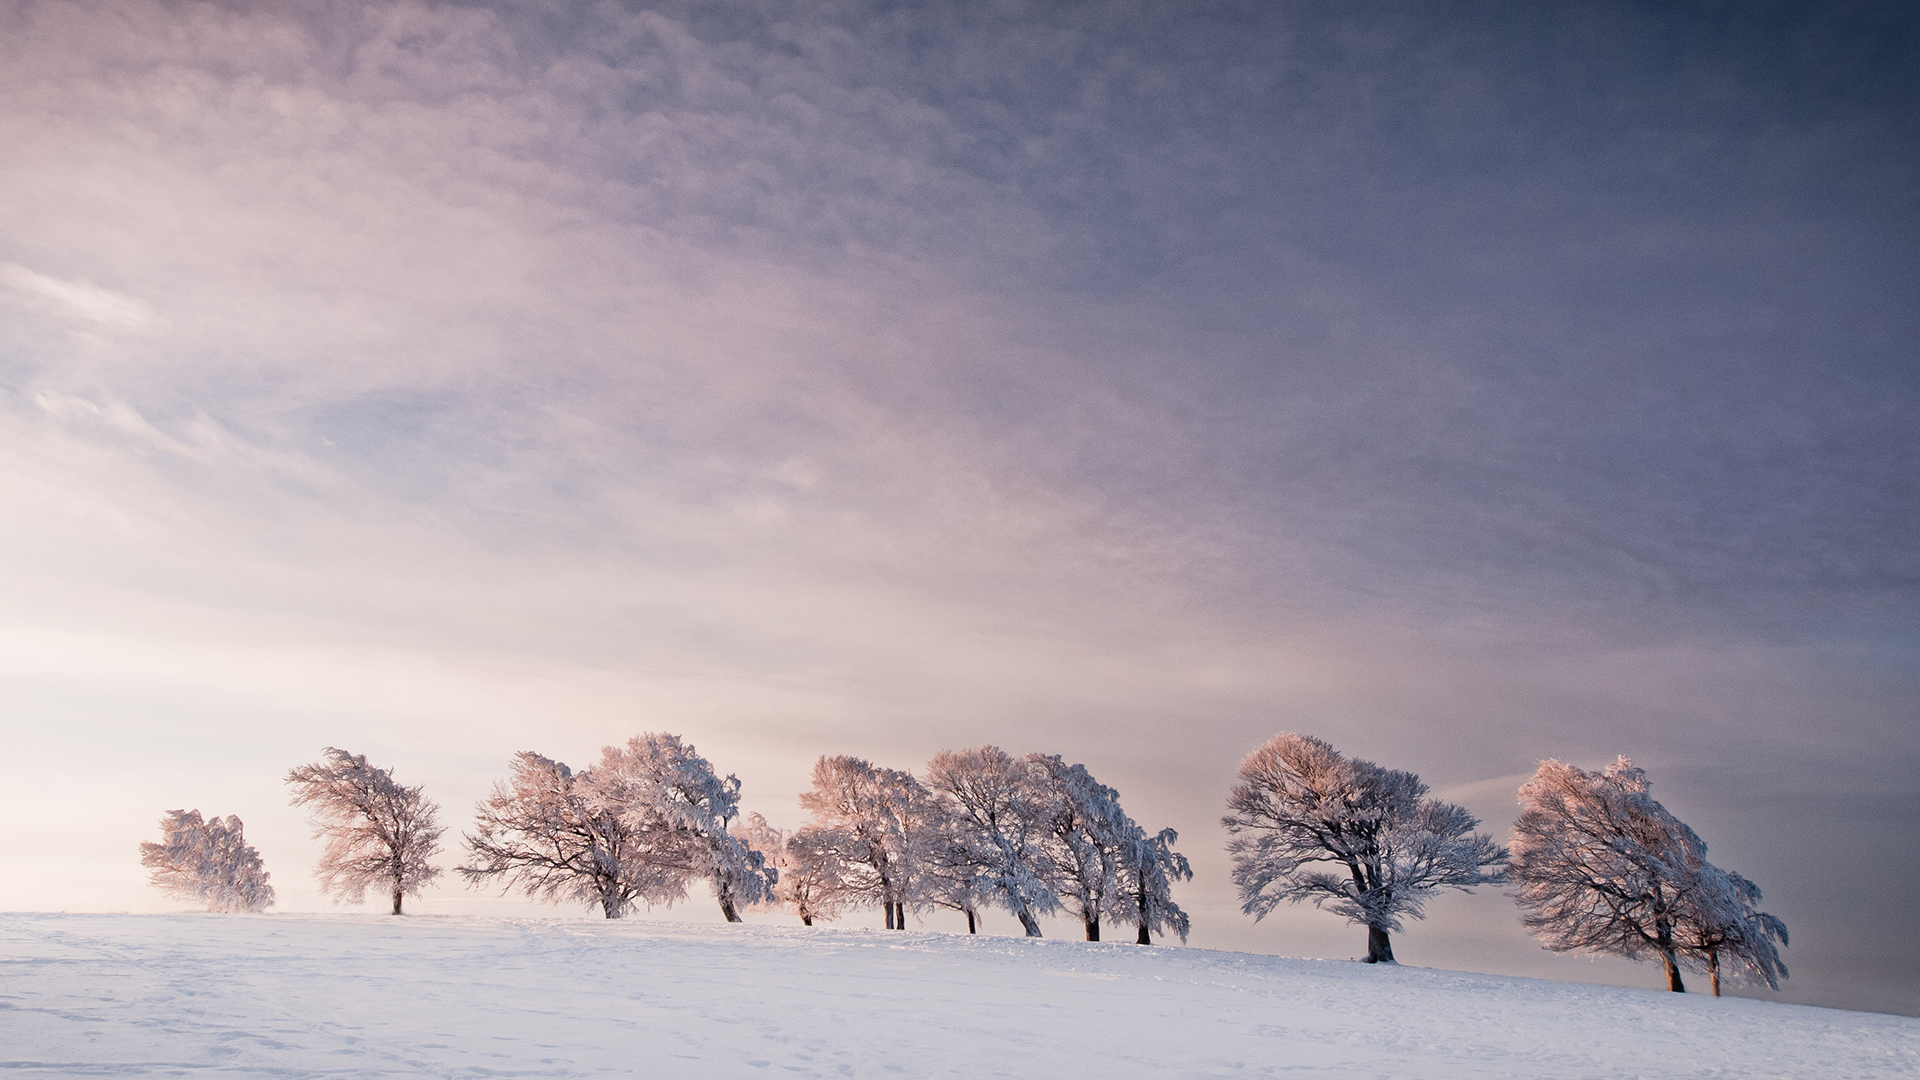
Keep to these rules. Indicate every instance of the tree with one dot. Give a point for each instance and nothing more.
(806, 864)
(379, 833)
(546, 831)
(207, 861)
(680, 811)
(1603, 867)
(1083, 828)
(1148, 868)
(639, 827)
(1300, 804)
(1721, 926)
(998, 807)
(878, 824)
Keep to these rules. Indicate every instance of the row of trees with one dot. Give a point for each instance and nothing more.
(1598, 864)
(1033, 835)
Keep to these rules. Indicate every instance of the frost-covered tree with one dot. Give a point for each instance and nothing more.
(639, 827)
(878, 824)
(1148, 868)
(805, 868)
(999, 808)
(952, 879)
(678, 810)
(808, 868)
(1602, 867)
(1721, 928)
(207, 861)
(1301, 806)
(379, 833)
(1085, 833)
(547, 832)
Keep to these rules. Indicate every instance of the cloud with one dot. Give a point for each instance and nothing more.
(80, 301)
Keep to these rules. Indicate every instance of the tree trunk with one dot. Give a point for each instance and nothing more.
(1093, 929)
(726, 908)
(1673, 975)
(806, 920)
(1144, 938)
(899, 916)
(396, 901)
(888, 904)
(1713, 969)
(972, 926)
(1379, 946)
(1027, 921)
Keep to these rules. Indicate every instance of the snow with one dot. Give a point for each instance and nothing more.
(360, 996)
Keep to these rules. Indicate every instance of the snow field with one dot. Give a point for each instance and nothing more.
(366, 996)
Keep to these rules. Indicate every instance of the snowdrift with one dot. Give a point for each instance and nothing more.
(363, 996)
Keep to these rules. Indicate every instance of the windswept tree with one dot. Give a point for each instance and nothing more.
(1083, 829)
(546, 831)
(639, 827)
(998, 807)
(1360, 840)
(207, 862)
(379, 833)
(1148, 868)
(878, 825)
(1602, 867)
(1722, 929)
(679, 812)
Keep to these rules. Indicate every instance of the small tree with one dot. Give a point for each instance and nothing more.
(1721, 927)
(207, 861)
(998, 808)
(378, 833)
(1603, 867)
(806, 864)
(1148, 868)
(1301, 804)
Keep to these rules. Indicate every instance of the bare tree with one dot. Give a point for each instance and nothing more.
(1300, 804)
(378, 833)
(1603, 867)
(207, 861)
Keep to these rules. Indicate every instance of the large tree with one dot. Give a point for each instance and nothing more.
(640, 826)
(1349, 835)
(879, 826)
(679, 811)
(1603, 867)
(379, 833)
(998, 808)
(207, 861)
(545, 831)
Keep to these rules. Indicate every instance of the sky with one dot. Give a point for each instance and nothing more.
(1466, 385)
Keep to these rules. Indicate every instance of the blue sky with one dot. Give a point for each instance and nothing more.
(1463, 385)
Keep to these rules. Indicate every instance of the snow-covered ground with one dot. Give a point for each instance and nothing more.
(350, 996)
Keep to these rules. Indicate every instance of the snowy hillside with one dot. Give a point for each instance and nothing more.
(351, 996)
